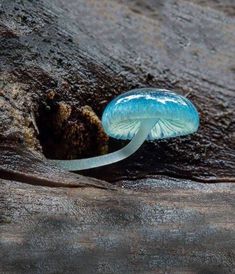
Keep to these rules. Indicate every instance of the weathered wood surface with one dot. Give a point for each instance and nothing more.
(57, 57)
(167, 225)
(74, 55)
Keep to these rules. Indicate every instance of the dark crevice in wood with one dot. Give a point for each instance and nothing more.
(84, 53)
(209, 180)
(33, 180)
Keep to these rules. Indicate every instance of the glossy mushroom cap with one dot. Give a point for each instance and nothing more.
(175, 115)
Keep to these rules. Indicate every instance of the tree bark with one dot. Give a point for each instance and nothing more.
(61, 62)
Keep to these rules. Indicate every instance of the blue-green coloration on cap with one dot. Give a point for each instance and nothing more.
(175, 115)
(138, 115)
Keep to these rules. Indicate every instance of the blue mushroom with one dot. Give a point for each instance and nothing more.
(139, 115)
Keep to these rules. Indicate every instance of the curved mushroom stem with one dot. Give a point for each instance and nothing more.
(113, 157)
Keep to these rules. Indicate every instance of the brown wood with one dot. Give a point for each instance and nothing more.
(60, 64)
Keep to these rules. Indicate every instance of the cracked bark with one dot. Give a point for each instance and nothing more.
(151, 212)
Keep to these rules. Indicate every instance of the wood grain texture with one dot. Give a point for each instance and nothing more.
(169, 225)
(152, 213)
(88, 53)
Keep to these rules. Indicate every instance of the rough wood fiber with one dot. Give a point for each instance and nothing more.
(75, 55)
(175, 226)
(59, 58)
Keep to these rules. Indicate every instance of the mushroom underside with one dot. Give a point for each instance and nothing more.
(163, 128)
